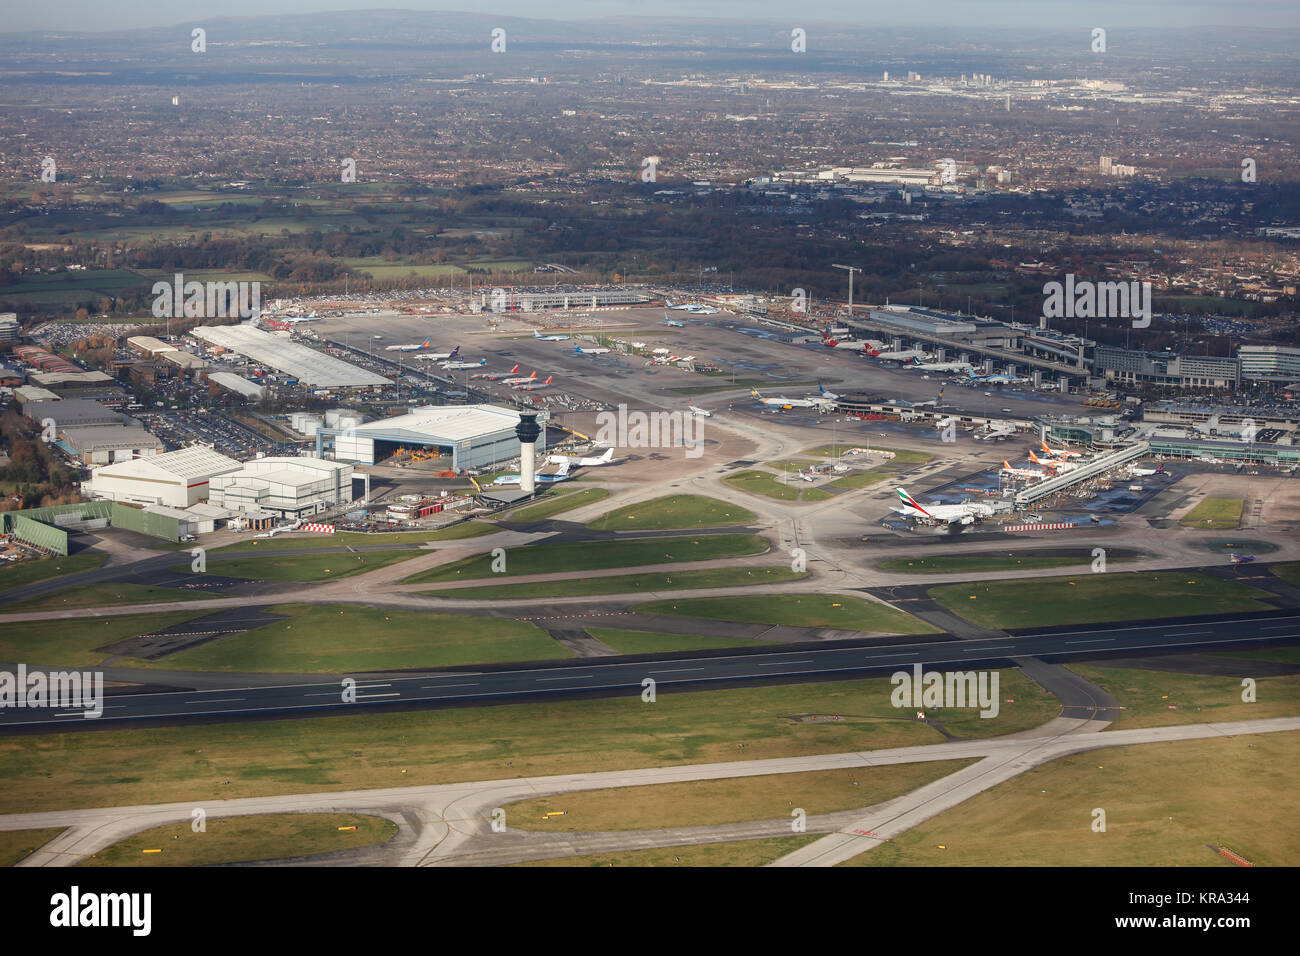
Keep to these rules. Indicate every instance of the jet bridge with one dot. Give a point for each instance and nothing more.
(1085, 471)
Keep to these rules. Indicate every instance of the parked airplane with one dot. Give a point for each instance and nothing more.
(821, 390)
(533, 388)
(1022, 472)
(408, 348)
(962, 514)
(493, 376)
(782, 402)
(669, 304)
(972, 379)
(606, 459)
(858, 344)
(601, 350)
(939, 366)
(455, 366)
(559, 474)
(901, 356)
(1059, 452)
(517, 381)
(1145, 472)
(1242, 558)
(996, 431)
(674, 323)
(701, 310)
(1056, 464)
(439, 356)
(702, 412)
(550, 338)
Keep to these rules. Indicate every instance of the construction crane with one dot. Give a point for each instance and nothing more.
(850, 270)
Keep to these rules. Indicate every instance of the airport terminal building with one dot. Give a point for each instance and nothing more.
(465, 436)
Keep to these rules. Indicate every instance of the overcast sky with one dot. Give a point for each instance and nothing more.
(91, 15)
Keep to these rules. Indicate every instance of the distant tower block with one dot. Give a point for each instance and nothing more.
(528, 431)
(1008, 102)
(176, 101)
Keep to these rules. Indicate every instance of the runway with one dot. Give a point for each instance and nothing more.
(612, 676)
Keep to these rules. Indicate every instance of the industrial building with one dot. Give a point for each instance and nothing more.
(466, 436)
(237, 384)
(290, 488)
(176, 479)
(72, 413)
(151, 347)
(306, 365)
(512, 300)
(101, 444)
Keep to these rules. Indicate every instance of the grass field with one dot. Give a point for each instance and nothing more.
(304, 567)
(109, 594)
(673, 513)
(72, 644)
(951, 563)
(555, 504)
(157, 764)
(340, 639)
(1214, 513)
(766, 484)
(466, 529)
(1088, 598)
(593, 555)
(902, 456)
(656, 642)
(1290, 572)
(861, 479)
(1285, 655)
(268, 836)
(1161, 698)
(699, 803)
(733, 854)
(797, 610)
(29, 572)
(15, 845)
(645, 582)
(1166, 804)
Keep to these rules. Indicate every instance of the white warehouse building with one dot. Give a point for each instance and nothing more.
(464, 436)
(176, 479)
(290, 488)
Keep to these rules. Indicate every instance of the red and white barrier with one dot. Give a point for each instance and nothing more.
(1061, 526)
(325, 528)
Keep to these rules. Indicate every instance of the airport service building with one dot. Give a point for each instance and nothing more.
(290, 488)
(461, 436)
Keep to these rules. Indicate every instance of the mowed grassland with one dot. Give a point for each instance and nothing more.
(797, 610)
(304, 567)
(737, 853)
(1161, 698)
(16, 845)
(765, 483)
(738, 800)
(902, 456)
(29, 572)
(672, 513)
(1214, 513)
(595, 555)
(341, 639)
(1000, 561)
(281, 542)
(109, 594)
(643, 583)
(658, 642)
(267, 836)
(156, 764)
(1290, 572)
(1166, 804)
(73, 643)
(1088, 598)
(555, 504)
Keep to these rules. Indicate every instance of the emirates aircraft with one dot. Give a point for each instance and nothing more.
(962, 514)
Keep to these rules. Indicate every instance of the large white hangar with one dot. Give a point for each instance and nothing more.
(310, 367)
(465, 436)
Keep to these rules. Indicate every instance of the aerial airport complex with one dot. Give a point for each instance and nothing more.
(596, 508)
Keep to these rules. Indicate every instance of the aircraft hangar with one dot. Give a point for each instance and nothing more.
(466, 436)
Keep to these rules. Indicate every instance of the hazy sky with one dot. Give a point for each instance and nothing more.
(91, 15)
